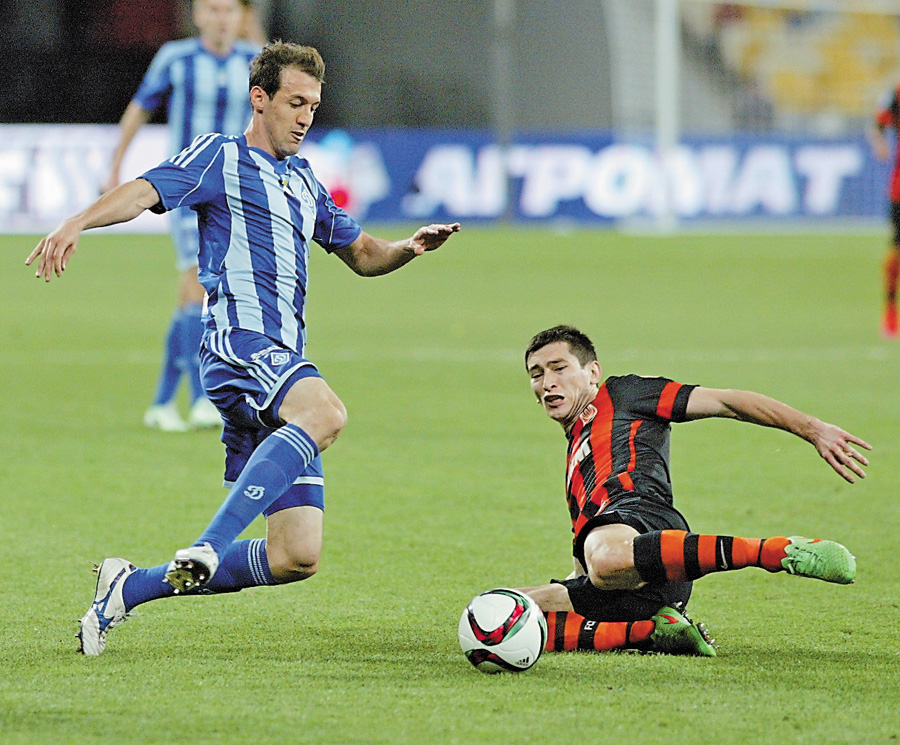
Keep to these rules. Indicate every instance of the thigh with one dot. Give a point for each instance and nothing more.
(247, 376)
(642, 514)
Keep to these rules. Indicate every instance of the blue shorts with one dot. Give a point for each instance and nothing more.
(185, 236)
(247, 375)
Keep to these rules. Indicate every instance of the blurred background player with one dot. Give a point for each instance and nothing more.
(888, 116)
(202, 81)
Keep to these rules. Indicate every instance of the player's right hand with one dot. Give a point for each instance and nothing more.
(55, 250)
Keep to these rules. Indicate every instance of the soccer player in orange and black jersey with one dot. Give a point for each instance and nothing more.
(617, 471)
(887, 116)
(633, 550)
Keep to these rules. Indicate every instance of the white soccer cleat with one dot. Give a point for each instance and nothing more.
(204, 415)
(108, 609)
(192, 568)
(165, 417)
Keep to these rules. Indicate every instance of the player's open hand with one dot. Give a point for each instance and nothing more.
(55, 251)
(836, 447)
(431, 237)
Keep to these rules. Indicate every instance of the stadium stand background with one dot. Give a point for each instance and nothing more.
(397, 63)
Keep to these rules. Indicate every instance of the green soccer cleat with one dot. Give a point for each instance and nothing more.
(675, 633)
(825, 560)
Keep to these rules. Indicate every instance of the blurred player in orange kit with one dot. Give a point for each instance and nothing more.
(887, 117)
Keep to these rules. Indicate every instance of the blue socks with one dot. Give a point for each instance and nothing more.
(170, 374)
(182, 354)
(269, 473)
(192, 337)
(245, 564)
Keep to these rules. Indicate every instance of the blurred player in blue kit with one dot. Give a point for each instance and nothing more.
(202, 83)
(258, 206)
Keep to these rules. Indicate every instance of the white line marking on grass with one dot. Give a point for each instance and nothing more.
(450, 355)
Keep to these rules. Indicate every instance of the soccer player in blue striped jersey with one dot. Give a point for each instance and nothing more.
(259, 205)
(202, 84)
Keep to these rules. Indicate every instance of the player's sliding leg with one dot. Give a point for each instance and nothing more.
(680, 556)
(891, 271)
(669, 631)
(568, 631)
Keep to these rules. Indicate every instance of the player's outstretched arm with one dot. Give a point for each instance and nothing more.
(834, 444)
(369, 256)
(122, 204)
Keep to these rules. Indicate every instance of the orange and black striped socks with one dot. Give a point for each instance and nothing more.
(568, 632)
(679, 556)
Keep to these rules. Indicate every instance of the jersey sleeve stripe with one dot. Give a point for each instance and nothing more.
(667, 400)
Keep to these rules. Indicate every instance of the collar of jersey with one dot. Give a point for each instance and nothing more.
(281, 166)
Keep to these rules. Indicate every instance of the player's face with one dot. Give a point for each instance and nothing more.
(288, 115)
(562, 385)
(219, 22)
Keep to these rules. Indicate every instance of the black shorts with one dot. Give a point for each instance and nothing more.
(645, 516)
(895, 221)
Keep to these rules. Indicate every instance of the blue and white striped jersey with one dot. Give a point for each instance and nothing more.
(257, 215)
(202, 92)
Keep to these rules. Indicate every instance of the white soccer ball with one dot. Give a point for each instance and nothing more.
(502, 630)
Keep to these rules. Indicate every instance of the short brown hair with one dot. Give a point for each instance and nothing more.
(266, 67)
(579, 344)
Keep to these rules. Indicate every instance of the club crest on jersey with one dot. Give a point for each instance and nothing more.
(279, 358)
(588, 414)
(301, 193)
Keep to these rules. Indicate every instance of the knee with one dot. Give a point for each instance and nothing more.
(322, 416)
(334, 419)
(610, 566)
(293, 567)
(598, 565)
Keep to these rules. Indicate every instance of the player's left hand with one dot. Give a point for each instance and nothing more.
(836, 447)
(431, 237)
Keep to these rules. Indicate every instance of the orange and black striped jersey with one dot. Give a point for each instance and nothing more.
(620, 444)
(887, 115)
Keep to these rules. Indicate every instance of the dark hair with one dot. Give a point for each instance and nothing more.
(266, 67)
(579, 344)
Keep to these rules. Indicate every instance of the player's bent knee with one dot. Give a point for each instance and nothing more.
(609, 567)
(294, 568)
(314, 407)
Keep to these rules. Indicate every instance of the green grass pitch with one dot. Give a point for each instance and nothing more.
(448, 481)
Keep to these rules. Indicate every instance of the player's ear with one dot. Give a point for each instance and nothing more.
(596, 372)
(258, 98)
